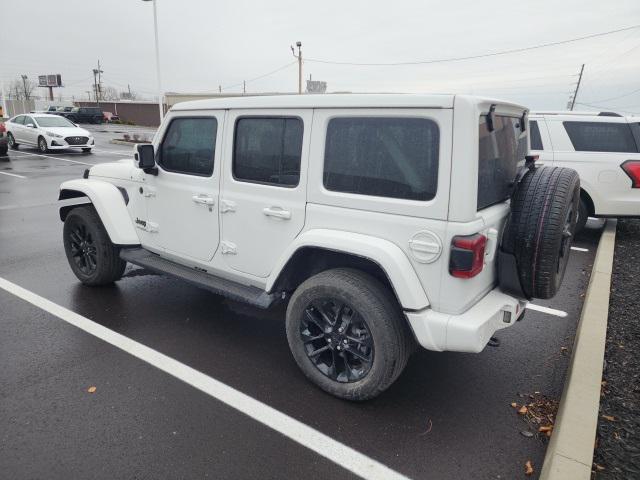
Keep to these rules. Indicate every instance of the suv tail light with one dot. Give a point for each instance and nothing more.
(467, 255)
(632, 168)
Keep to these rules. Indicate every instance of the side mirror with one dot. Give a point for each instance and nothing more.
(146, 157)
(30, 125)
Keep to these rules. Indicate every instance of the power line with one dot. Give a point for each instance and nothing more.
(615, 98)
(472, 57)
(603, 106)
(259, 77)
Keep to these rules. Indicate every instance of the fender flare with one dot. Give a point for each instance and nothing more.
(591, 192)
(109, 203)
(387, 255)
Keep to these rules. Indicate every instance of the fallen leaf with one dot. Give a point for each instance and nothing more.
(545, 428)
(526, 433)
(616, 435)
(528, 468)
(598, 467)
(514, 404)
(609, 417)
(523, 410)
(91, 389)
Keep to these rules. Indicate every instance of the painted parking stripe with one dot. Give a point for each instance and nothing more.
(550, 311)
(12, 174)
(580, 249)
(56, 158)
(322, 444)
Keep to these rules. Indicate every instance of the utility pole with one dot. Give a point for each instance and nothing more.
(575, 94)
(24, 86)
(97, 83)
(299, 57)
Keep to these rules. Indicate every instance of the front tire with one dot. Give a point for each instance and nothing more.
(347, 333)
(91, 255)
(42, 145)
(12, 141)
(3, 150)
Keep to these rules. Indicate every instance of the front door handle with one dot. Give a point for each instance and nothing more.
(203, 200)
(277, 212)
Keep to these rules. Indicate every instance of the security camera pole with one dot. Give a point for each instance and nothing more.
(299, 57)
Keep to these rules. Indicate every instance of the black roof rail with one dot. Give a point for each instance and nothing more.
(609, 114)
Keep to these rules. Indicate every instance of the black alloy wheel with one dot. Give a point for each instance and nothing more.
(83, 249)
(337, 340)
(565, 242)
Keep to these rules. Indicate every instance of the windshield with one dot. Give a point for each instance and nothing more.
(54, 122)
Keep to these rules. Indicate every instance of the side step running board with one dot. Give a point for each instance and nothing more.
(228, 288)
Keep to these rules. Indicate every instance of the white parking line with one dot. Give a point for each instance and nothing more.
(12, 174)
(550, 311)
(56, 158)
(322, 444)
(579, 249)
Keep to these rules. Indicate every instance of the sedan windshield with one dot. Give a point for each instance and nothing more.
(54, 122)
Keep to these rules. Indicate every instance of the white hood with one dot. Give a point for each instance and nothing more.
(68, 131)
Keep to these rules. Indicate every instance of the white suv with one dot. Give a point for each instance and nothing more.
(381, 221)
(604, 148)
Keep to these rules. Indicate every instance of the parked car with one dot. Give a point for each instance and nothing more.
(4, 143)
(110, 117)
(47, 132)
(84, 115)
(394, 220)
(604, 148)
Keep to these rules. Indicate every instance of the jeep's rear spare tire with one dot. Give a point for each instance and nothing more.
(347, 333)
(540, 228)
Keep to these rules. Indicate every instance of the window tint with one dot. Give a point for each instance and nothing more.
(500, 154)
(189, 146)
(536, 139)
(29, 120)
(268, 150)
(19, 120)
(385, 157)
(600, 137)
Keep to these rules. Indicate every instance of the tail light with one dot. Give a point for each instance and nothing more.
(632, 168)
(467, 255)
(2, 128)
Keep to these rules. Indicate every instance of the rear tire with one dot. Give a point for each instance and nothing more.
(91, 255)
(349, 309)
(4, 150)
(12, 141)
(541, 227)
(583, 215)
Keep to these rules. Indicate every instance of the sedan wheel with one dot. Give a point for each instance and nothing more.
(12, 141)
(42, 145)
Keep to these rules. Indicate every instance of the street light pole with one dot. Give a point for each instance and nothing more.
(299, 57)
(155, 28)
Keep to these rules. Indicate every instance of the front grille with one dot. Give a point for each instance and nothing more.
(77, 140)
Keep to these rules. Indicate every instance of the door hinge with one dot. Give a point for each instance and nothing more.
(228, 248)
(227, 206)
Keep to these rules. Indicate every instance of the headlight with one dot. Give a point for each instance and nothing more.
(54, 135)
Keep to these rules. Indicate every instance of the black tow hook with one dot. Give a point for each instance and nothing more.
(494, 342)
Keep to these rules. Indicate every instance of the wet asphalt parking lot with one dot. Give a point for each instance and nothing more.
(447, 417)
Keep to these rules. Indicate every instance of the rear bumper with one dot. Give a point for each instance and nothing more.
(469, 331)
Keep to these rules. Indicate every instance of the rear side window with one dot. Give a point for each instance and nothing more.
(600, 137)
(536, 139)
(501, 153)
(385, 157)
(19, 120)
(189, 146)
(267, 150)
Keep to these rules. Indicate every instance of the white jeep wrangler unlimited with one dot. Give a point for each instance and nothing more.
(381, 220)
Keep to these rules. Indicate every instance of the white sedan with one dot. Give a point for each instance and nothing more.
(47, 132)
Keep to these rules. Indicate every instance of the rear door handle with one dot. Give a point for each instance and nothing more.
(203, 200)
(277, 212)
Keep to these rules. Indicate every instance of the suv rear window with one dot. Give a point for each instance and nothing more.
(385, 157)
(500, 154)
(600, 137)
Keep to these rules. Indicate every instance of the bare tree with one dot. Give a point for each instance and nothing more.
(15, 90)
(109, 94)
(27, 87)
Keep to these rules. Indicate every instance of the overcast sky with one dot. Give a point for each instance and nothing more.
(206, 43)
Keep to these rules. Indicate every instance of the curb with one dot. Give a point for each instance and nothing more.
(570, 451)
